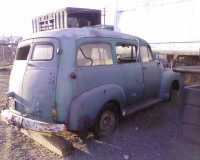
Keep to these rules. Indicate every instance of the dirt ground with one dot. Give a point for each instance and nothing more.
(152, 134)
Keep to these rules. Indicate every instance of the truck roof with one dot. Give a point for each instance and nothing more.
(77, 33)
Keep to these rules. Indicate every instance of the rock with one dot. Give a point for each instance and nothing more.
(126, 156)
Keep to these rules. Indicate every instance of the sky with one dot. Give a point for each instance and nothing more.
(16, 15)
(153, 20)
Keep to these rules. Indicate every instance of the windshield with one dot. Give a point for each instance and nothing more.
(22, 53)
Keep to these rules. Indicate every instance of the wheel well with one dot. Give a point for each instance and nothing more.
(175, 85)
(113, 105)
(116, 106)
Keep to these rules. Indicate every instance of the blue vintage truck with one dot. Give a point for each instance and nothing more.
(82, 80)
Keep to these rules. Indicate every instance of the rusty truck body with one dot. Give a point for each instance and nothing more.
(82, 80)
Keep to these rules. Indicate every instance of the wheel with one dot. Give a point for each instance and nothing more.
(107, 122)
(174, 89)
(171, 92)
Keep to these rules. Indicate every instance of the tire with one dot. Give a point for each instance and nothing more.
(174, 89)
(171, 93)
(107, 121)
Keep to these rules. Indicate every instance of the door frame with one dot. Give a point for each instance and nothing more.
(145, 67)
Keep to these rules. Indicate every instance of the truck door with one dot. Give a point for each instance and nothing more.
(39, 83)
(131, 69)
(151, 73)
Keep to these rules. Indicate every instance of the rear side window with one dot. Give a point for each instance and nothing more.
(94, 54)
(42, 52)
(22, 53)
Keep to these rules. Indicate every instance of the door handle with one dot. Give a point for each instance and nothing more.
(144, 67)
(29, 64)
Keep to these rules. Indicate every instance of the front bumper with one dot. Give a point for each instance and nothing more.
(19, 121)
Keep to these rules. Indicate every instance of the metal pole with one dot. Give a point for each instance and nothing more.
(104, 16)
(3, 54)
(116, 16)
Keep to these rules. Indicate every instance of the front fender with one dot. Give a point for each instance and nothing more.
(85, 108)
(167, 78)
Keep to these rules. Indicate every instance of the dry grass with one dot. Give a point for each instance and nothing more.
(2, 102)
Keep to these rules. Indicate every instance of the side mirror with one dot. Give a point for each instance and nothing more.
(157, 61)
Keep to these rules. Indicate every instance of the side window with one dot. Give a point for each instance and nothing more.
(145, 53)
(22, 53)
(126, 53)
(42, 52)
(94, 54)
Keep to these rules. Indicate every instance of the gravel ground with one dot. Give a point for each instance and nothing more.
(151, 134)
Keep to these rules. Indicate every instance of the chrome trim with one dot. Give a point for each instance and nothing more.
(22, 122)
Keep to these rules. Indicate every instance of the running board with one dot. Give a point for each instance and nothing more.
(133, 108)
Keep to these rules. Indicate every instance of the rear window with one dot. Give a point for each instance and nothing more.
(22, 53)
(42, 52)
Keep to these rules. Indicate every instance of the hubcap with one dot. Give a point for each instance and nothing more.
(107, 122)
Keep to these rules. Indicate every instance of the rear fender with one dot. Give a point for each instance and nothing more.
(85, 108)
(167, 79)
